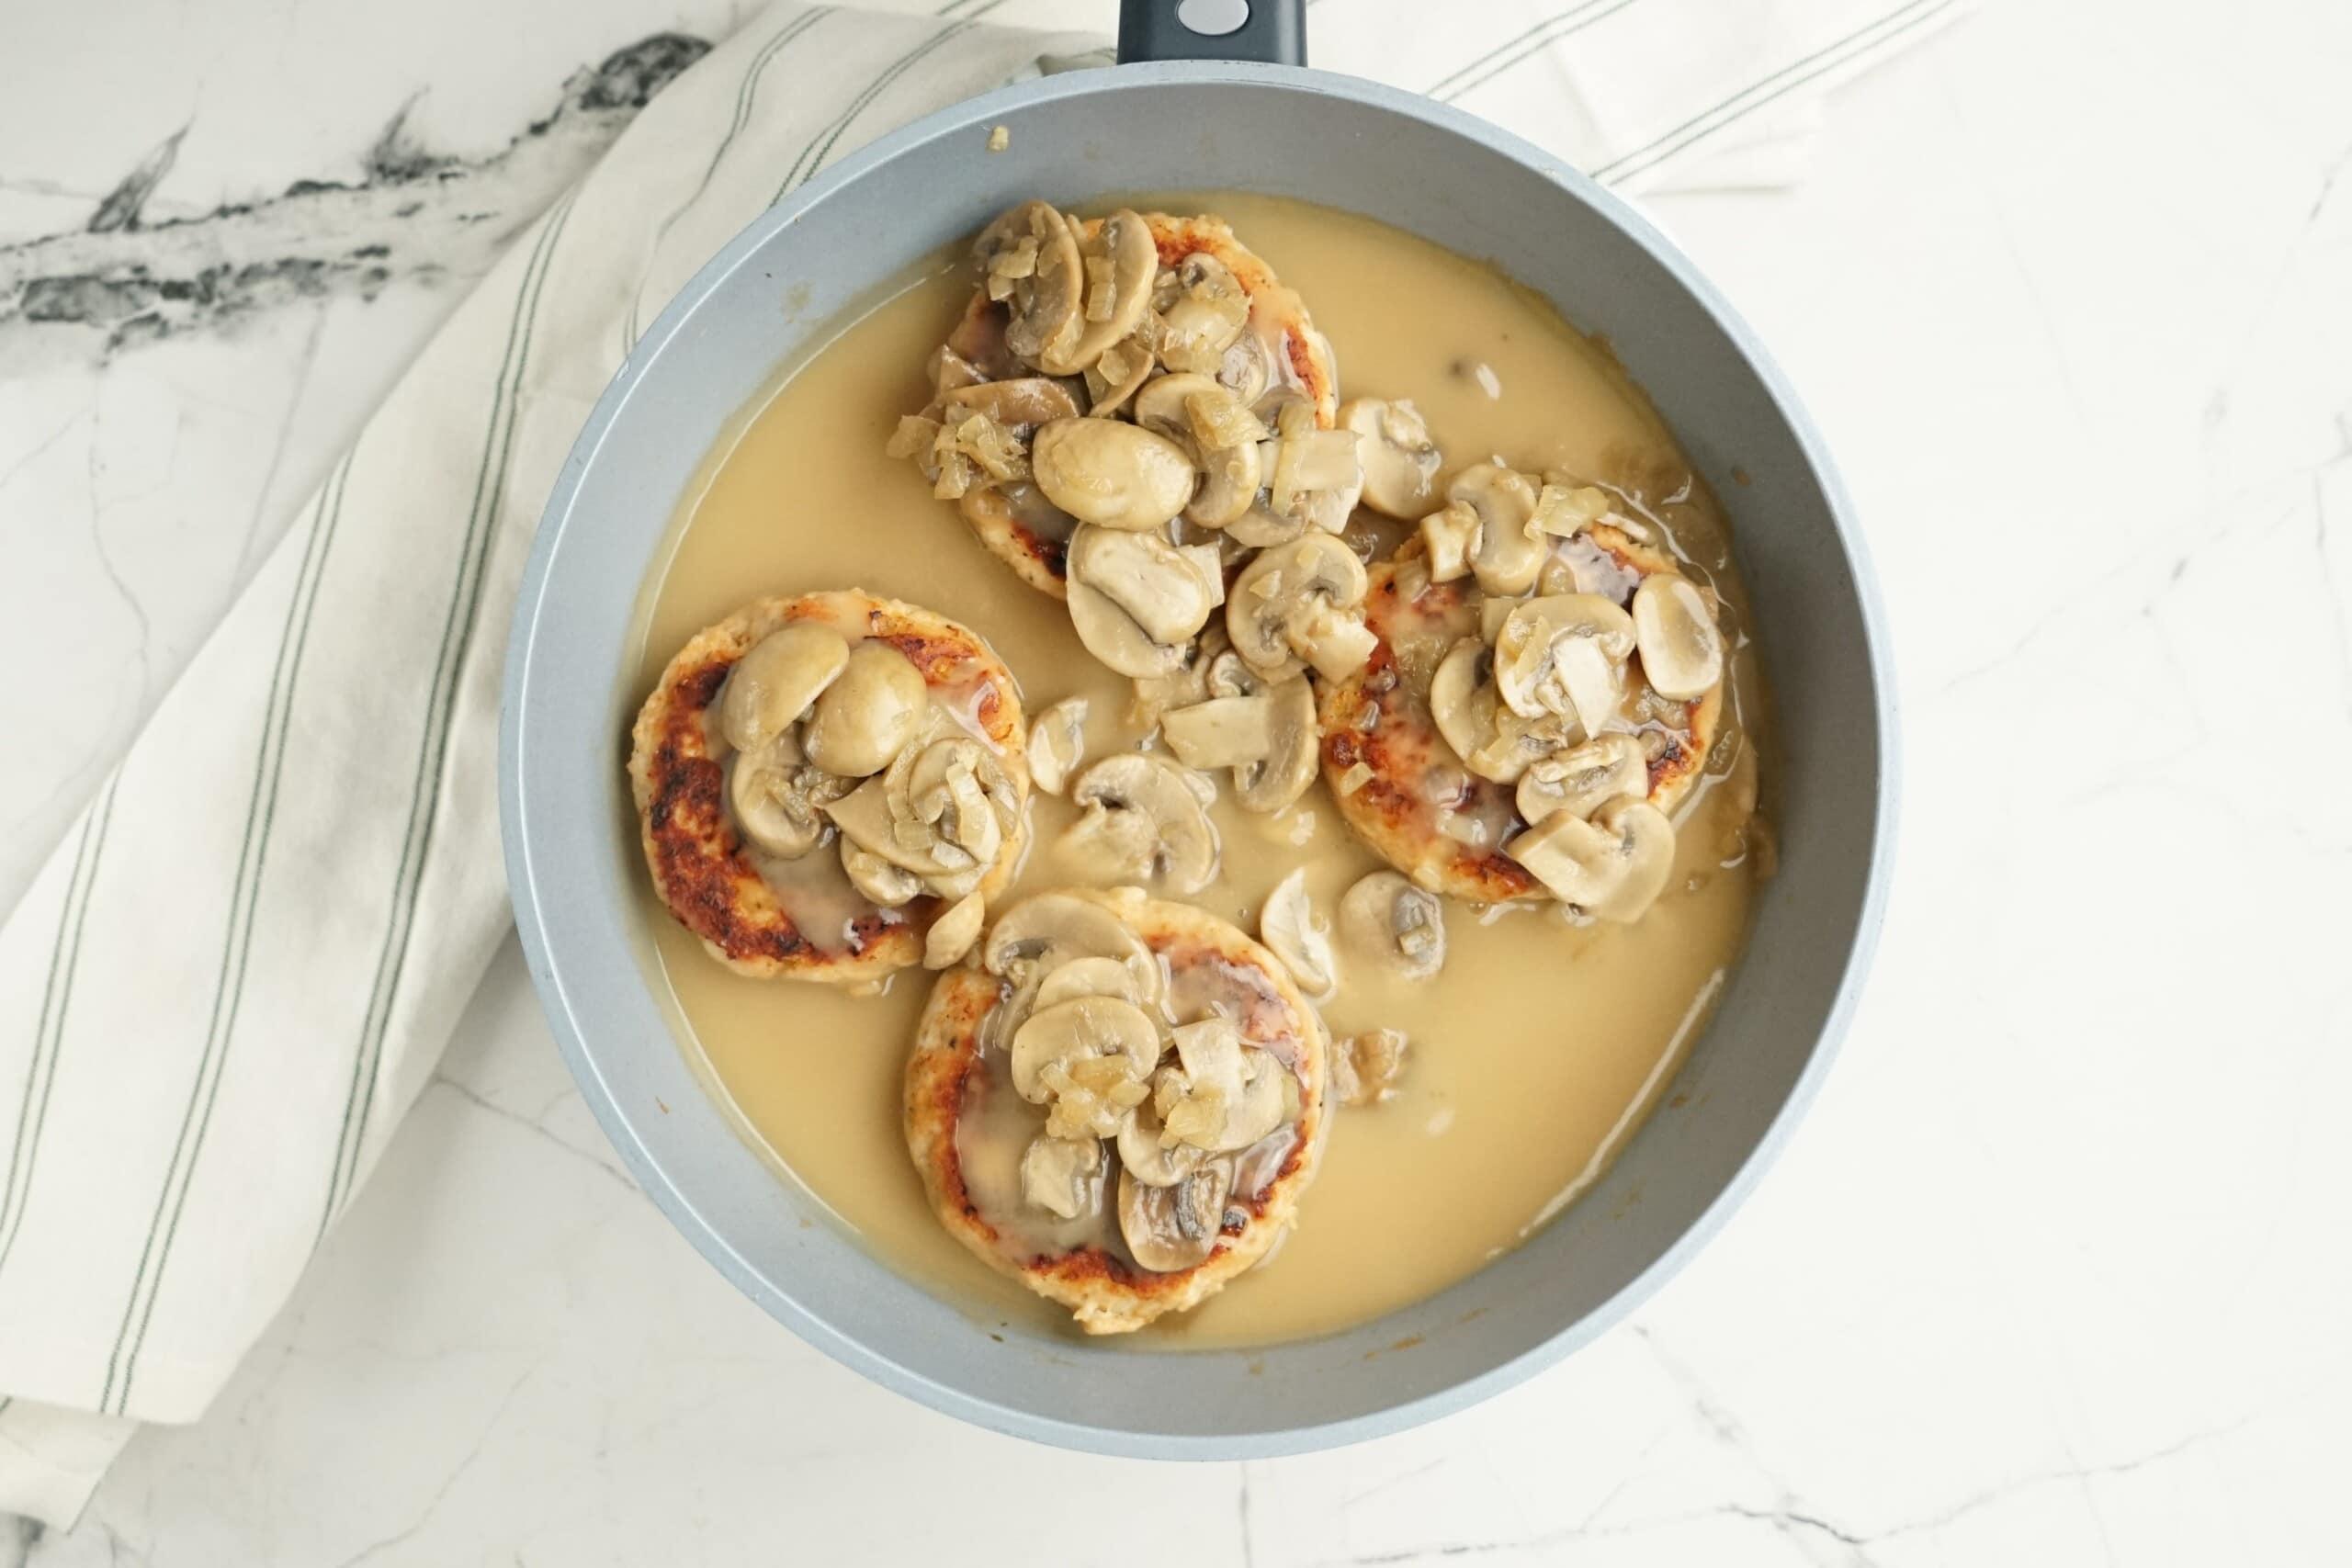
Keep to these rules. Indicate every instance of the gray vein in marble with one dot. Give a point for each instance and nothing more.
(441, 1493)
(1249, 1548)
(412, 212)
(528, 1125)
(123, 204)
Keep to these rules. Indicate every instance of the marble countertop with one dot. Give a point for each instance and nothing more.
(2055, 1273)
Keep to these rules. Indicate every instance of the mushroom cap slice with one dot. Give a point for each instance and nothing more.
(1399, 457)
(1398, 926)
(1124, 243)
(1166, 796)
(1061, 1174)
(772, 805)
(1111, 635)
(1683, 653)
(1580, 781)
(1564, 654)
(1204, 317)
(1144, 1155)
(1021, 402)
(1169, 1229)
(1506, 559)
(1282, 775)
(1162, 590)
(1613, 868)
(1289, 926)
(1056, 743)
(1453, 697)
(952, 935)
(1082, 1029)
(1276, 595)
(1259, 527)
(889, 885)
(1046, 301)
(1220, 1095)
(1095, 977)
(1449, 538)
(868, 714)
(1111, 473)
(773, 684)
(1231, 471)
(1222, 732)
(1041, 933)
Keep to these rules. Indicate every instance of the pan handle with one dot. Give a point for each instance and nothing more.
(1270, 31)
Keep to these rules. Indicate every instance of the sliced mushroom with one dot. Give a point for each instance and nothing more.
(1334, 640)
(1683, 653)
(1111, 473)
(1202, 415)
(1117, 374)
(1054, 1044)
(1453, 697)
(1151, 1157)
(1160, 793)
(1258, 528)
(1397, 925)
(1019, 404)
(889, 885)
(1110, 845)
(773, 684)
(1219, 1095)
(1094, 976)
(1062, 1176)
(776, 805)
(942, 811)
(952, 935)
(1273, 605)
(1316, 474)
(1120, 262)
(1582, 779)
(1111, 635)
(1203, 308)
(1289, 925)
(1029, 259)
(1164, 590)
(868, 714)
(1056, 742)
(1223, 732)
(1492, 741)
(1282, 775)
(1039, 934)
(1169, 1229)
(1400, 459)
(1613, 866)
(1506, 559)
(1564, 654)
(1449, 538)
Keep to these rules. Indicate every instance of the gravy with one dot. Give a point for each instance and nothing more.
(1541, 1045)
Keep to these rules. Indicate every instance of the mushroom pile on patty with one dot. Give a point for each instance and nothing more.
(1120, 1102)
(826, 782)
(1573, 678)
(1135, 413)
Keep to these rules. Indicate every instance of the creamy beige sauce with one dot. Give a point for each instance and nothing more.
(1541, 1046)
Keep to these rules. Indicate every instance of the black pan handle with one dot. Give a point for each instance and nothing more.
(1273, 32)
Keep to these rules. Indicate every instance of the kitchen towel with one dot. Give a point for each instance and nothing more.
(225, 987)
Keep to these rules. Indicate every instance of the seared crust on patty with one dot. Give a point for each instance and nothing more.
(677, 772)
(1108, 1293)
(1038, 555)
(1380, 717)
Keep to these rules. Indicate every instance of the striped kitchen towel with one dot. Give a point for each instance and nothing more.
(232, 976)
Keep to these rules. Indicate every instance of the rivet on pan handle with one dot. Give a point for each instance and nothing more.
(1270, 31)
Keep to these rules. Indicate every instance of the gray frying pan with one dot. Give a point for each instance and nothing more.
(1187, 111)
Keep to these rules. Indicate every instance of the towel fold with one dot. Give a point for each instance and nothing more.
(227, 984)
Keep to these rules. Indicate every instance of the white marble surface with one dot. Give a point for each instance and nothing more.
(2057, 1272)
